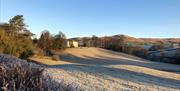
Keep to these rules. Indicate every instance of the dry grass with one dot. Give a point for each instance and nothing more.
(46, 60)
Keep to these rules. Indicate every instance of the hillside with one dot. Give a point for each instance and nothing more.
(149, 40)
(96, 69)
(131, 39)
(165, 40)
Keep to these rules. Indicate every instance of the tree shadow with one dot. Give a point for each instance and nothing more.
(110, 52)
(99, 64)
(136, 77)
(103, 60)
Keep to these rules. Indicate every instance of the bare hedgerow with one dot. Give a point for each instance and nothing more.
(20, 78)
(20, 75)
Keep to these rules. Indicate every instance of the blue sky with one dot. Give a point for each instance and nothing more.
(76, 18)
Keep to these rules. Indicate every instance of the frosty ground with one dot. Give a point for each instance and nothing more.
(96, 69)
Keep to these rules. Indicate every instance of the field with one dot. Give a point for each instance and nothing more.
(96, 69)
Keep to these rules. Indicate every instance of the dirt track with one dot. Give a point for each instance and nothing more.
(96, 69)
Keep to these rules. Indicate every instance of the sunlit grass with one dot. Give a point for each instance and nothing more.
(47, 60)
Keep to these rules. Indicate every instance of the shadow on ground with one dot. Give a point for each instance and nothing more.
(99, 65)
(121, 74)
(103, 60)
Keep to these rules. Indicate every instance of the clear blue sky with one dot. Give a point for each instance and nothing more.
(138, 18)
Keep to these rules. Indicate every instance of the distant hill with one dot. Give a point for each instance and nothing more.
(127, 38)
(131, 39)
(164, 40)
(148, 40)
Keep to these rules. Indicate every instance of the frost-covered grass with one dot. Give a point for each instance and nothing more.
(95, 69)
(20, 75)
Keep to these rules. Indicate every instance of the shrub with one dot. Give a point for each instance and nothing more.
(26, 54)
(38, 52)
(20, 78)
(55, 57)
(20, 75)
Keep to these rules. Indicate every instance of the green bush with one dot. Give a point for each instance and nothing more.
(26, 54)
(15, 39)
